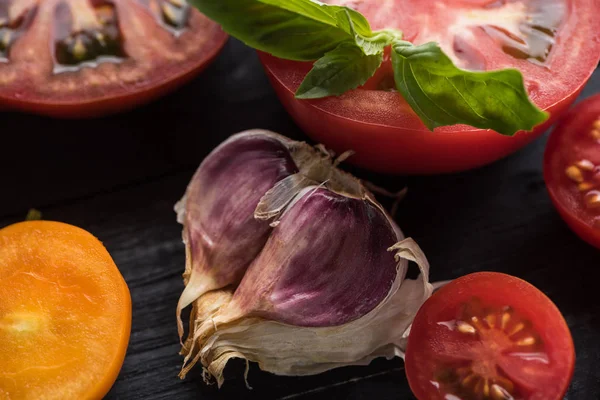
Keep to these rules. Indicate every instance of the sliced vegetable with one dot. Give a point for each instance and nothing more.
(572, 169)
(322, 281)
(73, 58)
(349, 53)
(489, 336)
(65, 313)
(555, 44)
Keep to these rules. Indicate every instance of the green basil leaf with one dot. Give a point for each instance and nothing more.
(326, 13)
(442, 94)
(300, 30)
(338, 71)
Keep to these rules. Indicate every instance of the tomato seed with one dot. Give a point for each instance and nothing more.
(596, 124)
(466, 382)
(505, 320)
(596, 133)
(585, 165)
(463, 327)
(486, 388)
(527, 341)
(574, 174)
(499, 393)
(592, 199)
(173, 15)
(6, 37)
(517, 328)
(78, 50)
(491, 320)
(585, 186)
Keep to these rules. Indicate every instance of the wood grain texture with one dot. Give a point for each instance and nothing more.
(119, 178)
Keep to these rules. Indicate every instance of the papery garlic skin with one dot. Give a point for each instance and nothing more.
(221, 234)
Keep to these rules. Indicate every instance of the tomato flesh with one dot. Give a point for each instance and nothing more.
(555, 44)
(65, 313)
(489, 336)
(572, 169)
(86, 58)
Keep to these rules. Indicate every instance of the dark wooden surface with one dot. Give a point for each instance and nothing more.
(119, 178)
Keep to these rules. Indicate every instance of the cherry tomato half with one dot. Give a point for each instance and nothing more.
(77, 58)
(554, 43)
(489, 336)
(572, 169)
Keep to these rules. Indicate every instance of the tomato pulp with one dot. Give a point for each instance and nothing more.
(489, 336)
(65, 313)
(572, 169)
(74, 58)
(554, 43)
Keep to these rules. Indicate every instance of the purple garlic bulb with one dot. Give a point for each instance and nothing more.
(327, 288)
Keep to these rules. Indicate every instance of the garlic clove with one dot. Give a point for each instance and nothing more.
(221, 234)
(325, 264)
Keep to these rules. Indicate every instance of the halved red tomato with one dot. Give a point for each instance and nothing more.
(489, 336)
(554, 43)
(76, 58)
(572, 169)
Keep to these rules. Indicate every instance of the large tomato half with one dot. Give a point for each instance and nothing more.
(489, 336)
(89, 57)
(572, 169)
(554, 43)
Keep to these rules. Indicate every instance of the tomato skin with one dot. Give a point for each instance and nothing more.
(495, 289)
(404, 150)
(576, 121)
(110, 104)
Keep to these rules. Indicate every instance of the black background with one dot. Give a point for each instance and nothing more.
(120, 176)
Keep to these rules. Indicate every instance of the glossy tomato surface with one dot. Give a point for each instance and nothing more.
(76, 58)
(490, 336)
(554, 43)
(572, 169)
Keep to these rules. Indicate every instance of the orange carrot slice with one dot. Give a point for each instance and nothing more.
(65, 313)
